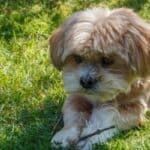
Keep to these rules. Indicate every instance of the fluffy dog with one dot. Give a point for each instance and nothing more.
(105, 59)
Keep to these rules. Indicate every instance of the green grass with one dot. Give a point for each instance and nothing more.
(31, 90)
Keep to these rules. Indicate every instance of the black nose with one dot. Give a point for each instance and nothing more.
(87, 82)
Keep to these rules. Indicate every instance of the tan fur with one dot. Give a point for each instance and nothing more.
(130, 104)
(79, 104)
(122, 92)
(56, 48)
(122, 27)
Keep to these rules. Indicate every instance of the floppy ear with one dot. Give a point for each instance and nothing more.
(56, 48)
(140, 34)
(137, 41)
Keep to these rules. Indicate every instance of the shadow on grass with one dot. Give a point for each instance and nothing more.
(33, 129)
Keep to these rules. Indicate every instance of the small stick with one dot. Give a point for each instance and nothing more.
(56, 125)
(99, 131)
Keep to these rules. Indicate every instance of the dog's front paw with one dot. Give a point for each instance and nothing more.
(65, 138)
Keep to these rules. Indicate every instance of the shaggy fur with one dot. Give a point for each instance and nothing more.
(105, 58)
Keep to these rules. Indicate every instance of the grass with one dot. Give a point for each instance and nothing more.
(31, 90)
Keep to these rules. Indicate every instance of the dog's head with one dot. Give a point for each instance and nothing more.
(101, 52)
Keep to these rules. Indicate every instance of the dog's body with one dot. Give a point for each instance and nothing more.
(105, 58)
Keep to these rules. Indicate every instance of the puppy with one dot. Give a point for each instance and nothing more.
(105, 59)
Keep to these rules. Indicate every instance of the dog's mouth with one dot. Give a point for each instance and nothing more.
(78, 88)
(96, 94)
(82, 90)
(91, 92)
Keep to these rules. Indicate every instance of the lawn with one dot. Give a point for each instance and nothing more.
(31, 89)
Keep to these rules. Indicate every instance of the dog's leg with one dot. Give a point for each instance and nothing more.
(101, 118)
(123, 117)
(76, 111)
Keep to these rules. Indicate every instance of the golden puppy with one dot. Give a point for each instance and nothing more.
(105, 59)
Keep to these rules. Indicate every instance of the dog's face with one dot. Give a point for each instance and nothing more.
(97, 74)
(101, 52)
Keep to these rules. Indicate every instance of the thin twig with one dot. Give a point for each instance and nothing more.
(99, 131)
(56, 125)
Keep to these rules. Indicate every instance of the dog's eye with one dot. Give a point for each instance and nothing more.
(105, 61)
(78, 59)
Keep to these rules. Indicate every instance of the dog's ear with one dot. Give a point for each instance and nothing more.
(137, 40)
(56, 48)
(140, 46)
